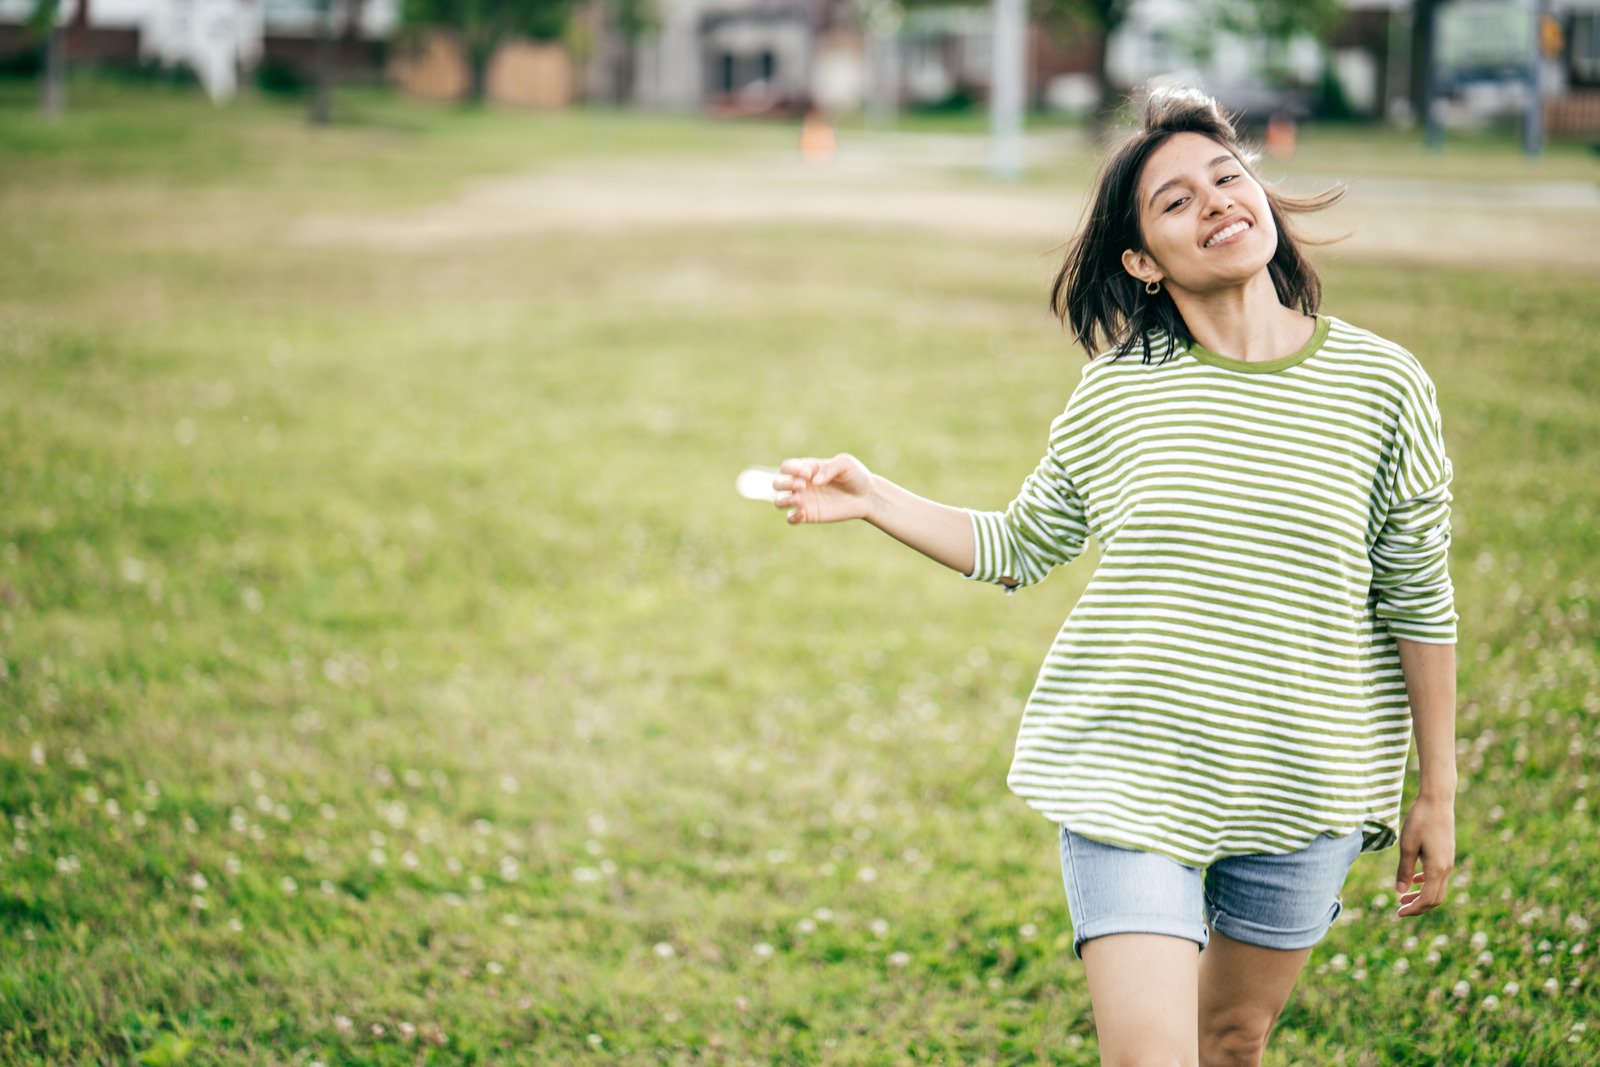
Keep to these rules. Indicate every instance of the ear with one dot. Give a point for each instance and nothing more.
(1141, 266)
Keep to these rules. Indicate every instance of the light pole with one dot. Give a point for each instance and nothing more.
(1006, 88)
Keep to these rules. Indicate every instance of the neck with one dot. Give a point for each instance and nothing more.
(1245, 322)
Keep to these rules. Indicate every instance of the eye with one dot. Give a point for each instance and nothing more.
(1226, 178)
(1177, 203)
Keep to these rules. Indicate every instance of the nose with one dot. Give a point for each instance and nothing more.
(1219, 200)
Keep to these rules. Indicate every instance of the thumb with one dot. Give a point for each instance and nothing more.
(827, 470)
(1408, 867)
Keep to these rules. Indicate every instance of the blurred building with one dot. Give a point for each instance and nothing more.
(765, 55)
(215, 37)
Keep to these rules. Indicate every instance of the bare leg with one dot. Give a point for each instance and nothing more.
(1144, 988)
(1242, 992)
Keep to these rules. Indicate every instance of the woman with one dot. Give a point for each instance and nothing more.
(1223, 722)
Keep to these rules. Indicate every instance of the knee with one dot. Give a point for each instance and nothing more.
(1239, 1045)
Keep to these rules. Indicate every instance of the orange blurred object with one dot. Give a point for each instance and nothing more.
(1280, 137)
(817, 139)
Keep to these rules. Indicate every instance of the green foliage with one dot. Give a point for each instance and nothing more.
(390, 674)
(484, 23)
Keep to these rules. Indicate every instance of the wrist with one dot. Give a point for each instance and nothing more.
(1440, 786)
(877, 499)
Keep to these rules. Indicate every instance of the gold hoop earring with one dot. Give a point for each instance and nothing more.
(1152, 288)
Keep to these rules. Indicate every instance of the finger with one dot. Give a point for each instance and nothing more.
(1405, 875)
(799, 468)
(782, 481)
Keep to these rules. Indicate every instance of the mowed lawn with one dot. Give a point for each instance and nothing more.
(389, 673)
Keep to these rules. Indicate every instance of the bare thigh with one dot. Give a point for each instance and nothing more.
(1144, 988)
(1243, 990)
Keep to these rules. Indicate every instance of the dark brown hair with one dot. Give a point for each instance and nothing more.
(1095, 296)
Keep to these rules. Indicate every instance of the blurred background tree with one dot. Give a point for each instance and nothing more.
(483, 24)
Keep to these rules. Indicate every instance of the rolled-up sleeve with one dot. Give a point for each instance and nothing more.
(1043, 527)
(1410, 557)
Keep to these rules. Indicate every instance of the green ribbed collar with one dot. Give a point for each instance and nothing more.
(1265, 366)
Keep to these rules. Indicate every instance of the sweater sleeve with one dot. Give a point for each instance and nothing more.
(1042, 528)
(1410, 564)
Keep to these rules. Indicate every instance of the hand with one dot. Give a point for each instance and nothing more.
(824, 490)
(1429, 834)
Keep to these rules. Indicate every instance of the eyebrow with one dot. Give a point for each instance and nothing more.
(1169, 183)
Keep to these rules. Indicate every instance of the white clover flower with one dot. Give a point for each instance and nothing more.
(235, 925)
(663, 950)
(494, 967)
(776, 856)
(1491, 1002)
(586, 874)
(879, 927)
(1402, 965)
(1440, 940)
(1543, 945)
(608, 866)
(91, 795)
(198, 881)
(407, 1031)
(1358, 975)
(328, 888)
(823, 915)
(113, 809)
(377, 857)
(1409, 943)
(509, 870)
(1380, 899)
(1479, 940)
(1551, 986)
(36, 754)
(762, 950)
(289, 886)
(899, 959)
(1511, 989)
(343, 1024)
(806, 926)
(595, 1041)
(1433, 956)
(1460, 990)
(231, 865)
(1485, 958)
(1028, 931)
(867, 874)
(409, 860)
(1339, 962)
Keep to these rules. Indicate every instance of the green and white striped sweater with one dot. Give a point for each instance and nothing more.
(1229, 681)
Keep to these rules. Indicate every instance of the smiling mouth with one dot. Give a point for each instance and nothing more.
(1226, 232)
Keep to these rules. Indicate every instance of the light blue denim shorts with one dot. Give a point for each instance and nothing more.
(1284, 902)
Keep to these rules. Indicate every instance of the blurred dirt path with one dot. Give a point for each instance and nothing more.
(908, 185)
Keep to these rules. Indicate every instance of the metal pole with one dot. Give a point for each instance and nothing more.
(1533, 122)
(1006, 88)
(1433, 78)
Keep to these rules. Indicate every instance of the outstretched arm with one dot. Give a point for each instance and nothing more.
(833, 490)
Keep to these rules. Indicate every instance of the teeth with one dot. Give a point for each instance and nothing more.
(1226, 233)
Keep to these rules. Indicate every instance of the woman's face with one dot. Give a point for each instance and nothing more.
(1205, 220)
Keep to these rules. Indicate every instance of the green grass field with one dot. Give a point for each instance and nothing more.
(389, 674)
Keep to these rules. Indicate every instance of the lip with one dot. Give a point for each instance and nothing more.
(1223, 226)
